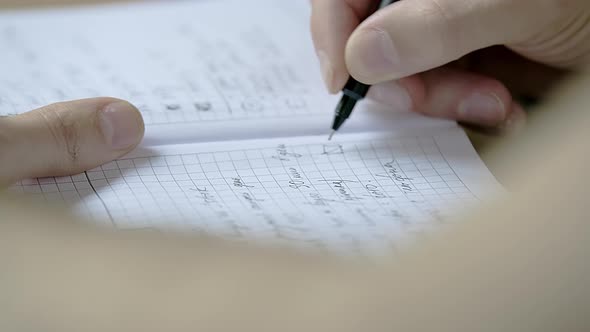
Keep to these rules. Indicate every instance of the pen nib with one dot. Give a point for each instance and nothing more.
(331, 135)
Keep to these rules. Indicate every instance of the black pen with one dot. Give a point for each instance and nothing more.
(353, 91)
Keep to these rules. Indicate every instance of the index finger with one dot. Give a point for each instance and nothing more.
(332, 23)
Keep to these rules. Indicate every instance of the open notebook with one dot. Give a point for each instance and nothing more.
(237, 122)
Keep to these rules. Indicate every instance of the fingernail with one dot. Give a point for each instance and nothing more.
(376, 55)
(483, 109)
(121, 125)
(392, 94)
(327, 71)
(515, 121)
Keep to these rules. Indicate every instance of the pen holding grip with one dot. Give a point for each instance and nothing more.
(355, 90)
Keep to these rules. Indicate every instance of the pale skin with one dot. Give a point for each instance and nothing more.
(431, 56)
(518, 264)
(67, 138)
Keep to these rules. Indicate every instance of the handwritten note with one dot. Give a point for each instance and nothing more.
(197, 70)
(358, 193)
(250, 90)
(178, 62)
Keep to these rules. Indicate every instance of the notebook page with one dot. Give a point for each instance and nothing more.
(363, 193)
(199, 70)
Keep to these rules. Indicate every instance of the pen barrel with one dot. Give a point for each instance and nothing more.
(355, 89)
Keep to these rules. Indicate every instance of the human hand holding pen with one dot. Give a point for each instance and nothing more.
(436, 56)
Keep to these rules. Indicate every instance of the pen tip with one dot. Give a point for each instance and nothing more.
(331, 135)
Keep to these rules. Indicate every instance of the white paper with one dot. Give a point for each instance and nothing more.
(198, 71)
(237, 122)
(359, 193)
(206, 63)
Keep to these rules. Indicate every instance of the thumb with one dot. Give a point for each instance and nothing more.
(67, 138)
(410, 37)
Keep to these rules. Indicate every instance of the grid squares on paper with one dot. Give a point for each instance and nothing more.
(312, 193)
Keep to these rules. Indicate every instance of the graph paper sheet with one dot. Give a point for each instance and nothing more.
(250, 91)
(361, 192)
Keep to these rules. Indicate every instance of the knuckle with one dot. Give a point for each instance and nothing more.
(64, 132)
